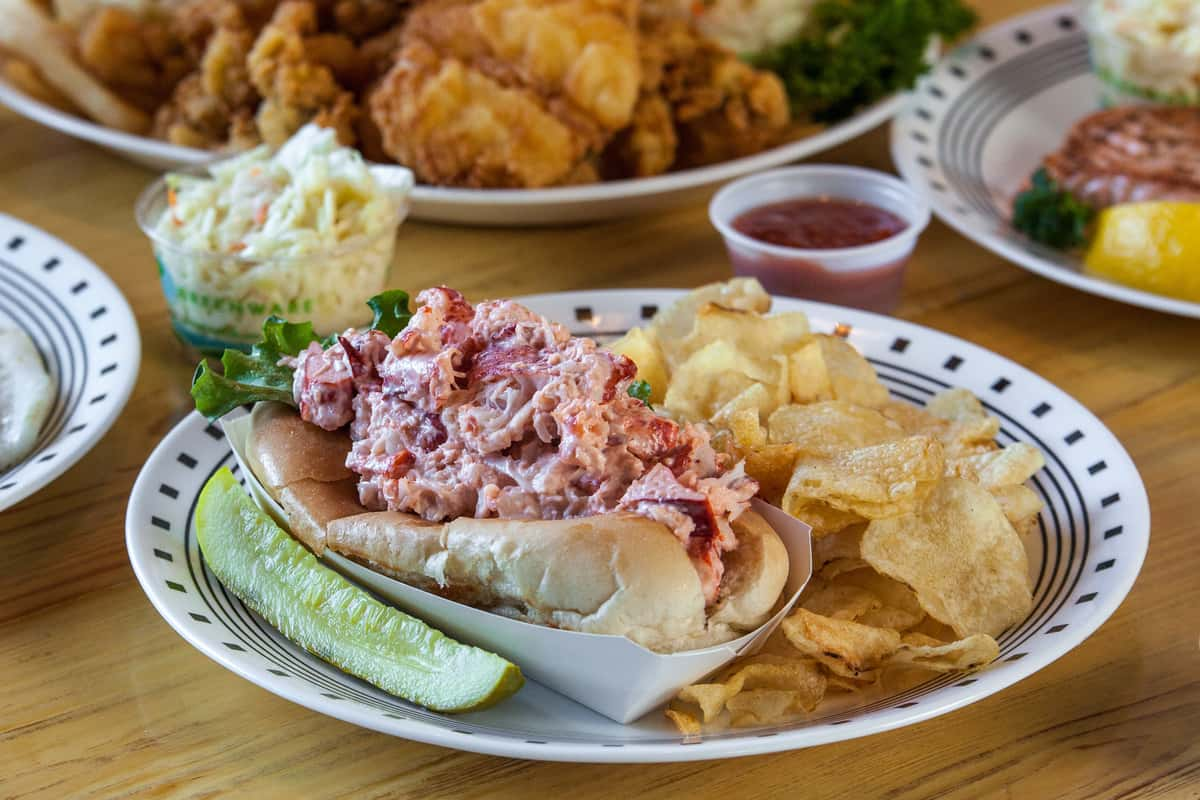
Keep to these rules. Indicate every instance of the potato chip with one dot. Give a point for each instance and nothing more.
(851, 376)
(709, 379)
(808, 379)
(970, 653)
(843, 684)
(640, 347)
(828, 427)
(1008, 466)
(685, 723)
(755, 397)
(876, 482)
(843, 647)
(970, 424)
(1020, 504)
(841, 544)
(790, 329)
(771, 465)
(962, 426)
(898, 608)
(710, 697)
(839, 601)
(939, 632)
(675, 322)
(840, 565)
(747, 331)
(762, 707)
(960, 555)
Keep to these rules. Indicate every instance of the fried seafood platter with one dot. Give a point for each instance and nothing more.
(510, 94)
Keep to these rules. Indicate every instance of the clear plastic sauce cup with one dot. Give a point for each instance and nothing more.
(865, 276)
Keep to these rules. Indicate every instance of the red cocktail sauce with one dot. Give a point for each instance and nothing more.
(821, 224)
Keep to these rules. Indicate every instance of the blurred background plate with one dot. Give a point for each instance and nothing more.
(1092, 538)
(513, 207)
(87, 337)
(980, 124)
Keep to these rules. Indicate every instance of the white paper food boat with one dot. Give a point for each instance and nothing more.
(609, 674)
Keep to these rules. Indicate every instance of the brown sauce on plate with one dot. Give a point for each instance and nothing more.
(818, 223)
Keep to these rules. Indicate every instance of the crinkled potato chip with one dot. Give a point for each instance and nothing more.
(749, 332)
(960, 555)
(843, 543)
(763, 706)
(771, 465)
(876, 482)
(675, 322)
(898, 608)
(829, 427)
(807, 376)
(851, 376)
(685, 723)
(710, 697)
(1020, 504)
(755, 397)
(640, 347)
(1007, 466)
(712, 377)
(843, 647)
(963, 435)
(839, 601)
(837, 566)
(970, 653)
(843, 684)
(801, 679)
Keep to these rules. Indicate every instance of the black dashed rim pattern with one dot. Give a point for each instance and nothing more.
(1093, 537)
(941, 142)
(88, 340)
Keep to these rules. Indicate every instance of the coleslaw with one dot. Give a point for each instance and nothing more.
(308, 229)
(1146, 49)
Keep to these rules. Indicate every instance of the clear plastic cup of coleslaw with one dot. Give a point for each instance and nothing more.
(219, 299)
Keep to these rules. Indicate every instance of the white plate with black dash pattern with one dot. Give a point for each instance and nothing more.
(87, 336)
(980, 124)
(1092, 539)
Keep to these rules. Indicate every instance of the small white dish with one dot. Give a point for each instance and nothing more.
(1092, 538)
(980, 124)
(86, 334)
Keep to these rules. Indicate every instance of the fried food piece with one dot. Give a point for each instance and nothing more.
(350, 67)
(213, 106)
(453, 125)
(380, 51)
(296, 88)
(139, 57)
(723, 108)
(194, 22)
(647, 146)
(361, 19)
(525, 93)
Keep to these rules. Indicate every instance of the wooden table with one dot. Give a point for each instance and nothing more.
(102, 698)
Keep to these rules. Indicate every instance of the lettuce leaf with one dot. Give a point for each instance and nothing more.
(257, 375)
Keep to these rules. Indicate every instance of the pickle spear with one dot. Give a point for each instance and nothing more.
(335, 620)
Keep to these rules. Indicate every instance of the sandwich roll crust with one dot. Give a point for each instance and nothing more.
(618, 573)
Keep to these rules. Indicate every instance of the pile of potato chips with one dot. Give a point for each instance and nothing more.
(918, 516)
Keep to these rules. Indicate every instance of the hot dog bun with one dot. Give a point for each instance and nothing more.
(619, 574)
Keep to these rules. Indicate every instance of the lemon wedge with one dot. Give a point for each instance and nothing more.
(1150, 246)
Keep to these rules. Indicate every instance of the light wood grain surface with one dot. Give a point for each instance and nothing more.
(100, 698)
